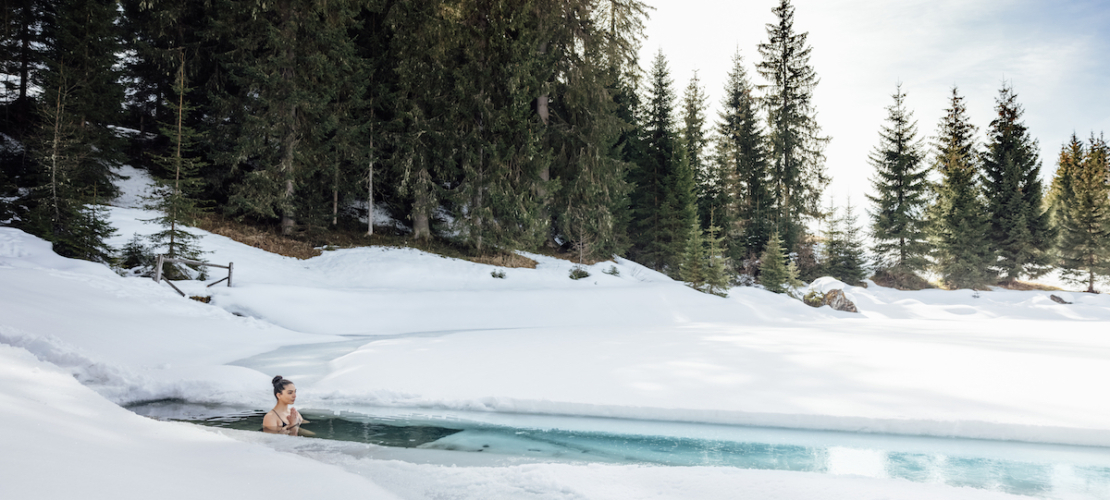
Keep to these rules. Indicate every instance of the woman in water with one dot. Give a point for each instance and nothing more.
(284, 419)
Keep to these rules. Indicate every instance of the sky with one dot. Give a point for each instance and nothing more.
(1055, 54)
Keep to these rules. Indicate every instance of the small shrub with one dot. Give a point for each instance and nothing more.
(612, 271)
(136, 259)
(814, 299)
(497, 273)
(201, 298)
(578, 272)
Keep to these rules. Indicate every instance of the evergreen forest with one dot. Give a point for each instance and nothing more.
(487, 127)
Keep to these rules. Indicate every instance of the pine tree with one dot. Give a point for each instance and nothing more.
(777, 273)
(663, 203)
(276, 103)
(901, 186)
(694, 104)
(20, 55)
(692, 269)
(496, 127)
(844, 257)
(1080, 201)
(958, 217)
(717, 268)
(744, 170)
(176, 194)
(590, 194)
(796, 147)
(1019, 234)
(73, 144)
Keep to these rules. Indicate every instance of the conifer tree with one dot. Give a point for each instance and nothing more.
(176, 194)
(844, 257)
(958, 217)
(589, 191)
(1020, 234)
(20, 55)
(663, 202)
(694, 104)
(744, 169)
(276, 102)
(777, 273)
(1080, 201)
(497, 130)
(73, 144)
(717, 268)
(901, 186)
(422, 159)
(692, 269)
(796, 146)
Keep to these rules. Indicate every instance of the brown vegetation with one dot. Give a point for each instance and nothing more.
(900, 281)
(269, 239)
(306, 244)
(1026, 286)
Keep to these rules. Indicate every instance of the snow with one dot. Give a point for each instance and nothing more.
(415, 330)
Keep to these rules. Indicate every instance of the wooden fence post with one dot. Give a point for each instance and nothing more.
(229, 266)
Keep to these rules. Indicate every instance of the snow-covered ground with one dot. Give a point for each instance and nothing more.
(437, 333)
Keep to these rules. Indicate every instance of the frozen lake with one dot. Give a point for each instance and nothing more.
(1039, 470)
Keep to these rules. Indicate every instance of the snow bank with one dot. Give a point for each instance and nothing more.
(62, 440)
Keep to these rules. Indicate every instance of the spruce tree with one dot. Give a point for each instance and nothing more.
(777, 273)
(1020, 235)
(844, 257)
(495, 126)
(694, 104)
(717, 268)
(744, 170)
(796, 146)
(73, 144)
(958, 217)
(1080, 201)
(663, 202)
(692, 269)
(898, 223)
(589, 190)
(276, 102)
(175, 198)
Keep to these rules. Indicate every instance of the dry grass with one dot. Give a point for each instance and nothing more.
(306, 244)
(901, 281)
(268, 239)
(568, 256)
(1026, 286)
(509, 260)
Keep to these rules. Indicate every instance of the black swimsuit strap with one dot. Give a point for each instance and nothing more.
(283, 424)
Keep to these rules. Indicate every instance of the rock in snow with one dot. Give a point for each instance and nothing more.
(1058, 300)
(836, 299)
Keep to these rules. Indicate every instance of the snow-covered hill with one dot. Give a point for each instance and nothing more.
(431, 332)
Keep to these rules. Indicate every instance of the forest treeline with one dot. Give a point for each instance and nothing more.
(499, 126)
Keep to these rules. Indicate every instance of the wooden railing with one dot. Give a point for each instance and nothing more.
(162, 260)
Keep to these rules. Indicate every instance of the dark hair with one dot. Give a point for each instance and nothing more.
(279, 384)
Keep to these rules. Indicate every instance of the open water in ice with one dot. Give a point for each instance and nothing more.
(1047, 471)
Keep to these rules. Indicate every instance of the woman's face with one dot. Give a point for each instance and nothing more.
(289, 395)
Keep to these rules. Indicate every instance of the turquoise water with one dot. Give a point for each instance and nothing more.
(1047, 471)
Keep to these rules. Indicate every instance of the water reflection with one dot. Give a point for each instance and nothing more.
(1046, 471)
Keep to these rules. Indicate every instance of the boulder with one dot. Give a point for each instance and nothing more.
(836, 299)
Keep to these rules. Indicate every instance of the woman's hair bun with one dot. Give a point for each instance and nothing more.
(276, 380)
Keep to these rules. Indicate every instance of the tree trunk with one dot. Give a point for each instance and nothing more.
(370, 196)
(420, 228)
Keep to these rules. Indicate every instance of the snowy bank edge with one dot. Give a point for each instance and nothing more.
(962, 429)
